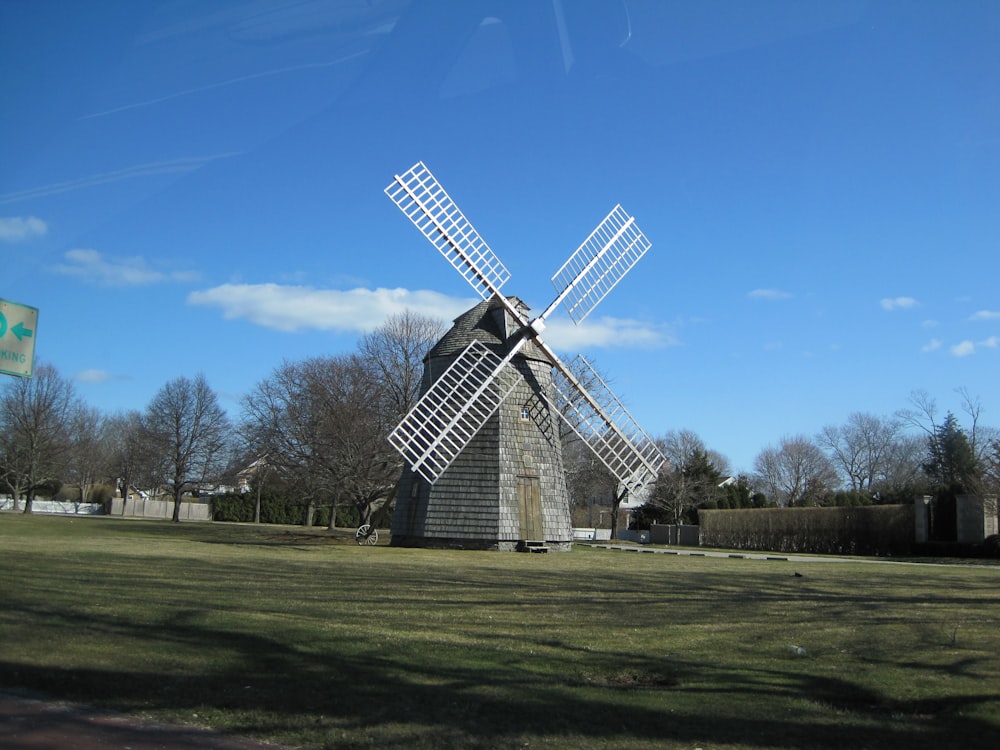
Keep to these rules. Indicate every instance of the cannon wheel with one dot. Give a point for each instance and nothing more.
(366, 534)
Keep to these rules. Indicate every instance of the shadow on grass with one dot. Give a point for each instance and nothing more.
(312, 698)
(405, 657)
(229, 533)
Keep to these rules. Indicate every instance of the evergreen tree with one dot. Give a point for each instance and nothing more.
(951, 462)
(686, 486)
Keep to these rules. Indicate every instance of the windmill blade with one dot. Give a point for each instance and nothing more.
(604, 424)
(599, 264)
(424, 202)
(453, 410)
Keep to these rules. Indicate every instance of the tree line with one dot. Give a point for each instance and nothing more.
(312, 433)
(870, 459)
(309, 443)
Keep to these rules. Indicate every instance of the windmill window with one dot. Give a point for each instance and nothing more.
(525, 412)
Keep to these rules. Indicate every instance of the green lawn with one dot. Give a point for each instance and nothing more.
(311, 641)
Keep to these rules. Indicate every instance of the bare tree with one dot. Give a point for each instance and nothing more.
(904, 464)
(981, 438)
(86, 464)
(280, 425)
(922, 412)
(322, 424)
(991, 468)
(36, 418)
(590, 483)
(795, 473)
(394, 353)
(923, 416)
(126, 452)
(588, 480)
(973, 406)
(691, 477)
(188, 431)
(862, 448)
(681, 446)
(366, 467)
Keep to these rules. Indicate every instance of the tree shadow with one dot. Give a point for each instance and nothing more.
(273, 689)
(308, 685)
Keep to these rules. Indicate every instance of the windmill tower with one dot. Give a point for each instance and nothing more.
(482, 444)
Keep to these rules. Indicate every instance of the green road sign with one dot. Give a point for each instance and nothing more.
(17, 338)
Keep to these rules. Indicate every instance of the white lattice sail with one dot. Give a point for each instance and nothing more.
(453, 410)
(424, 202)
(470, 391)
(604, 424)
(599, 263)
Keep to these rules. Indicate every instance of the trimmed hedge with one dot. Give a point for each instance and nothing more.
(240, 508)
(867, 530)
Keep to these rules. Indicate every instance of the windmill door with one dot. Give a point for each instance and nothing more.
(529, 501)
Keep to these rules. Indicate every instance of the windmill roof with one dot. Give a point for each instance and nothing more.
(488, 323)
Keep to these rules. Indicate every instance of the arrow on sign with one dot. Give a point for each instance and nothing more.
(21, 332)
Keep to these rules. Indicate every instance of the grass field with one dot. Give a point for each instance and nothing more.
(308, 640)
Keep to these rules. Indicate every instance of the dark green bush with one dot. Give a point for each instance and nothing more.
(238, 508)
(991, 546)
(347, 517)
(101, 493)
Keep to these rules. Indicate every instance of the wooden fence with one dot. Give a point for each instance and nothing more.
(160, 509)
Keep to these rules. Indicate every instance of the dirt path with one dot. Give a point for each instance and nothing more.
(31, 723)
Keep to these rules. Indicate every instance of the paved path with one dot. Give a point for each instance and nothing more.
(31, 723)
(697, 552)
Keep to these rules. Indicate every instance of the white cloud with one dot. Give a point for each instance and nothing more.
(92, 376)
(92, 267)
(991, 343)
(985, 315)
(17, 228)
(931, 346)
(296, 308)
(769, 294)
(608, 333)
(963, 349)
(898, 303)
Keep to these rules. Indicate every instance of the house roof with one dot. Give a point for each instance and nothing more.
(488, 323)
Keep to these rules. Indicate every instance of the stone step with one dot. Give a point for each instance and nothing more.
(526, 545)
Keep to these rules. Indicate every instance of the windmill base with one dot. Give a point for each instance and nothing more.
(479, 544)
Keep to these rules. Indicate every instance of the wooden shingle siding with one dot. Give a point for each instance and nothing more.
(475, 502)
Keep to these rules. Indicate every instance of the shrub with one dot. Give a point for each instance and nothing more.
(347, 516)
(101, 493)
(991, 546)
(238, 508)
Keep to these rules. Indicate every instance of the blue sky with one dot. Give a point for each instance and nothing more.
(197, 187)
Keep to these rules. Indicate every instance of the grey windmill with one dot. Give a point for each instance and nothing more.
(481, 444)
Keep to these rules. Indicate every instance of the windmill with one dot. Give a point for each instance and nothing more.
(471, 443)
